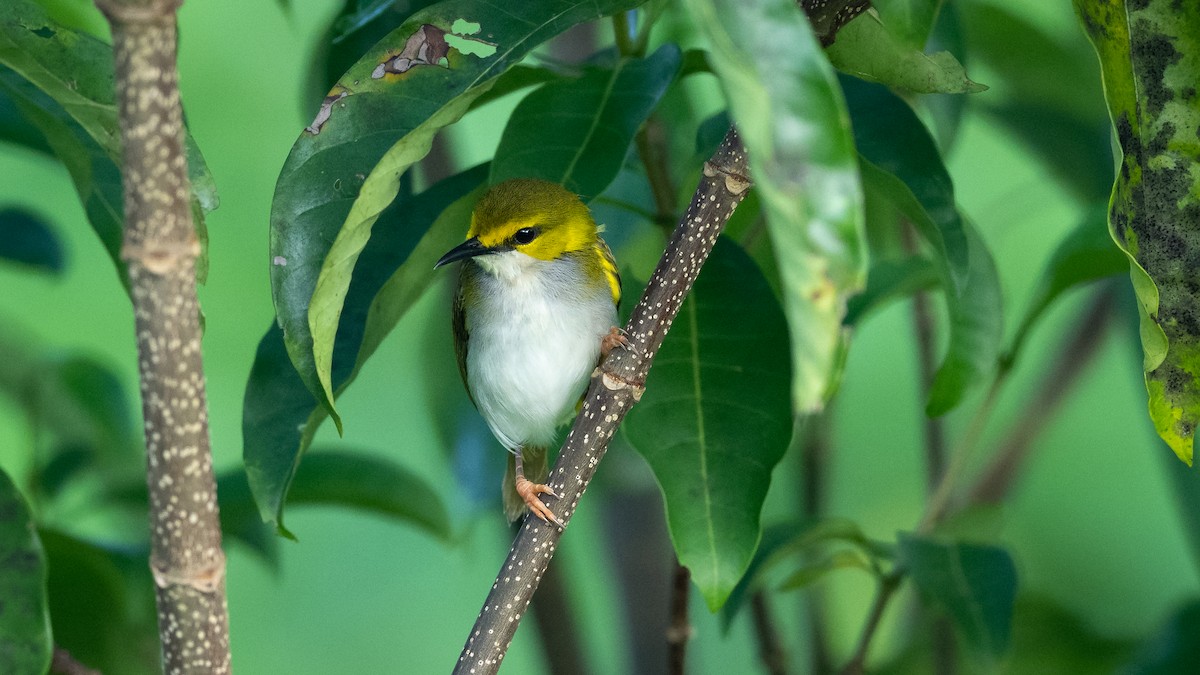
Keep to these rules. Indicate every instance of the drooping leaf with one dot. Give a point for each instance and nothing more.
(61, 81)
(279, 414)
(102, 605)
(785, 101)
(1150, 57)
(379, 119)
(910, 21)
(866, 48)
(975, 584)
(715, 418)
(577, 133)
(27, 239)
(901, 161)
(811, 572)
(976, 330)
(1086, 254)
(25, 642)
(890, 280)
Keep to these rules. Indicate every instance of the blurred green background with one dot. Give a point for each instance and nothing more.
(1093, 524)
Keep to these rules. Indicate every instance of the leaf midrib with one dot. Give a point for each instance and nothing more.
(701, 443)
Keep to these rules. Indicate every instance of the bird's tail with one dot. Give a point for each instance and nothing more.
(537, 470)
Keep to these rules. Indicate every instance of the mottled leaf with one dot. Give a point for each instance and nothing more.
(279, 414)
(976, 585)
(866, 48)
(715, 418)
(786, 103)
(577, 133)
(1086, 254)
(28, 239)
(380, 118)
(1150, 57)
(25, 642)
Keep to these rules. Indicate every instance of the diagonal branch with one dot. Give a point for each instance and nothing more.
(160, 248)
(616, 386)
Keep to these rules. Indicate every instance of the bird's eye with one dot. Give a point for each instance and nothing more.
(525, 235)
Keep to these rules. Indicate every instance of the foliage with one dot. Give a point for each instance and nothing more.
(854, 209)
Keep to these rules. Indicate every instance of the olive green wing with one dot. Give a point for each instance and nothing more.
(458, 327)
(609, 264)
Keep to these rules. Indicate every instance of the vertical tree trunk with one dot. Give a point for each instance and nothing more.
(160, 249)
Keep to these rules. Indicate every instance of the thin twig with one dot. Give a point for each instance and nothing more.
(652, 149)
(887, 588)
(770, 647)
(925, 328)
(616, 386)
(160, 248)
(680, 630)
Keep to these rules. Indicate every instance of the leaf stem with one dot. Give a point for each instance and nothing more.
(770, 647)
(652, 149)
(925, 329)
(888, 585)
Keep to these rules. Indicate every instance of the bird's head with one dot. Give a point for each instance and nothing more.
(536, 218)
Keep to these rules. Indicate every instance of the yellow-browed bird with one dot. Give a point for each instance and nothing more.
(536, 305)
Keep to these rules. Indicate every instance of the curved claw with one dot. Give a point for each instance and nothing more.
(613, 339)
(529, 492)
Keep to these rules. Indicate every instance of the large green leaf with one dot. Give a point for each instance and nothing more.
(1174, 649)
(1150, 57)
(279, 416)
(577, 133)
(61, 81)
(910, 21)
(975, 584)
(715, 418)
(25, 642)
(788, 108)
(866, 48)
(379, 119)
(890, 280)
(1086, 254)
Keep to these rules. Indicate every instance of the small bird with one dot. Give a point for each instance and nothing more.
(534, 311)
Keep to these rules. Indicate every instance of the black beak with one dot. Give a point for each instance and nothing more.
(468, 249)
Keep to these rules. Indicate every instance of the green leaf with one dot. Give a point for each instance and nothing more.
(373, 485)
(1174, 649)
(976, 585)
(279, 418)
(976, 330)
(520, 77)
(102, 605)
(890, 280)
(577, 133)
(785, 101)
(1149, 54)
(811, 572)
(379, 119)
(61, 81)
(910, 21)
(15, 129)
(715, 418)
(28, 239)
(901, 161)
(24, 615)
(1086, 254)
(866, 49)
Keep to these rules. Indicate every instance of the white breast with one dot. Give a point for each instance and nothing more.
(535, 334)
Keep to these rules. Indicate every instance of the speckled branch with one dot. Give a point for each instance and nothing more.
(160, 250)
(616, 386)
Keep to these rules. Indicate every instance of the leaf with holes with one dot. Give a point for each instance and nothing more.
(1150, 57)
(784, 98)
(975, 584)
(380, 119)
(577, 133)
(715, 418)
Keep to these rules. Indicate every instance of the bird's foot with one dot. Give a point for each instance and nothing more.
(529, 492)
(613, 339)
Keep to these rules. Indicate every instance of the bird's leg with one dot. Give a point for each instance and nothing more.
(529, 492)
(613, 339)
